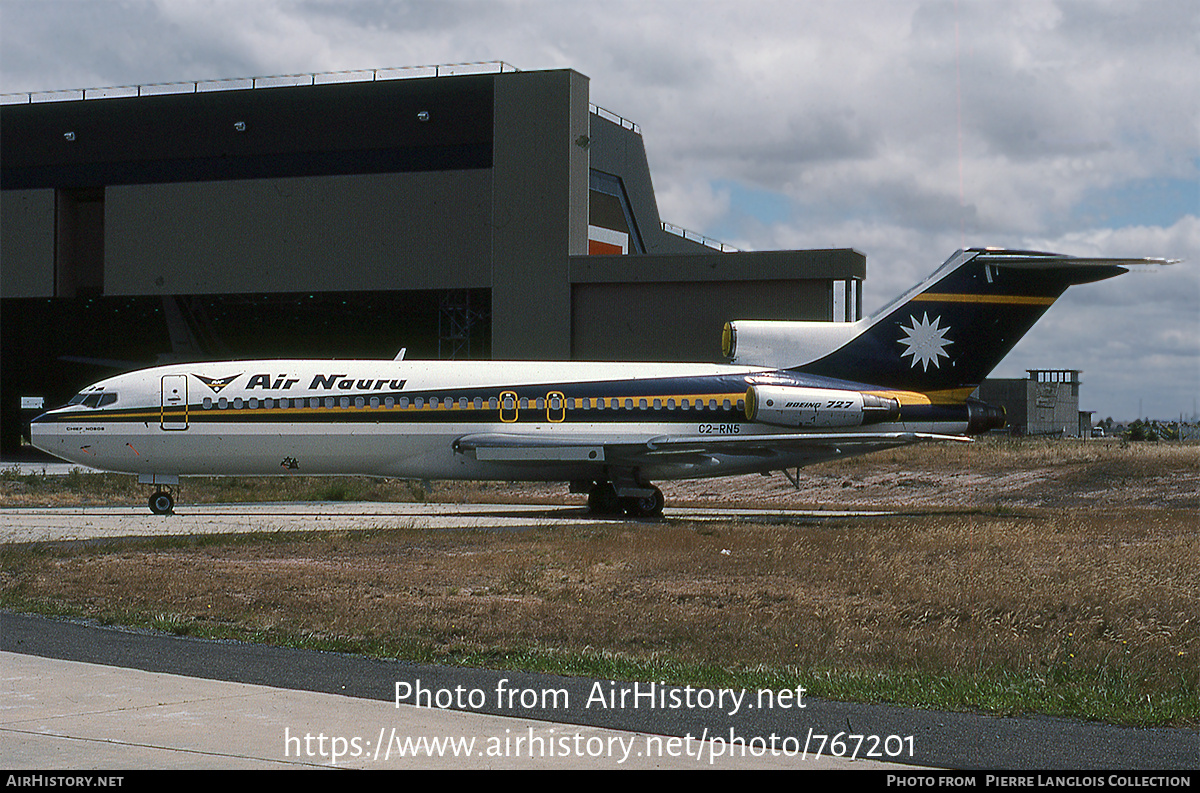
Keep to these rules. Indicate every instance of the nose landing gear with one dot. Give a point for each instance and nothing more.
(162, 503)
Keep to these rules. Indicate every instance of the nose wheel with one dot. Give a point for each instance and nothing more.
(162, 503)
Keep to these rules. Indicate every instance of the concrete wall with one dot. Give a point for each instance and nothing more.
(333, 233)
(1035, 408)
(27, 243)
(1012, 395)
(673, 307)
(540, 168)
(1053, 409)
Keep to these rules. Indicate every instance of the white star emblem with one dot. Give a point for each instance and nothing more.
(926, 341)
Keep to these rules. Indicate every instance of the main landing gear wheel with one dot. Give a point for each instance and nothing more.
(604, 500)
(650, 506)
(162, 503)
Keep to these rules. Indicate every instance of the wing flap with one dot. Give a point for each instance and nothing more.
(501, 447)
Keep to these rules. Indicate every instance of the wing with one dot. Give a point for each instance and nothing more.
(757, 452)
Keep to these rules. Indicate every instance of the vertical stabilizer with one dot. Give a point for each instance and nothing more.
(944, 335)
(952, 330)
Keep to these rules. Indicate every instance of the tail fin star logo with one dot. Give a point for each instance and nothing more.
(925, 341)
(217, 384)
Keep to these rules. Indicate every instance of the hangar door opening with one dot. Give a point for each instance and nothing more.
(79, 242)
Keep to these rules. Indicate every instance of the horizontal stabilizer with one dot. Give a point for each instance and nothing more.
(1048, 261)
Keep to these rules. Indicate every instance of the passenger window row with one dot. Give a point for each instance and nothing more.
(449, 403)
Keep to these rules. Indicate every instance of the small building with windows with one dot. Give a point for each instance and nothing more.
(1044, 403)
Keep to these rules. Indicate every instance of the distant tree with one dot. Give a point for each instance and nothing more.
(1144, 431)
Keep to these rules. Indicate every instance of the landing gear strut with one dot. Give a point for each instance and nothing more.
(603, 499)
(162, 502)
(636, 501)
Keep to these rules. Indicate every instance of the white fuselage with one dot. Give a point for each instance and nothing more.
(404, 419)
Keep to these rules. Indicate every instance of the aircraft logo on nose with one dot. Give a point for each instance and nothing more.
(217, 384)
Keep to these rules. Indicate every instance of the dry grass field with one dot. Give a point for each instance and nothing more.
(1020, 576)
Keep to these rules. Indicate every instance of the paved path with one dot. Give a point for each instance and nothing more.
(77, 523)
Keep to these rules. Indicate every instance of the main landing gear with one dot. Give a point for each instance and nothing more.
(634, 500)
(162, 502)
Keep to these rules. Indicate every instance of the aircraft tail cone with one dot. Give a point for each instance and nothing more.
(982, 417)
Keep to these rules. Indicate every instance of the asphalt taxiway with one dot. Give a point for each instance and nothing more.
(78, 695)
(143, 700)
(83, 696)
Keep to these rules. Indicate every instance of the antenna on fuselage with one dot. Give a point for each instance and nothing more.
(400, 355)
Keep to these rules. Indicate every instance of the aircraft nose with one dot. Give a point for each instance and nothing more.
(45, 431)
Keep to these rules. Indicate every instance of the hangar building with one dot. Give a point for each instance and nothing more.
(464, 211)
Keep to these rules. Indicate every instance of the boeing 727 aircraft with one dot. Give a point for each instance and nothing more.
(793, 393)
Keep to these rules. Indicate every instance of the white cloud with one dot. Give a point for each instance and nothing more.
(1137, 336)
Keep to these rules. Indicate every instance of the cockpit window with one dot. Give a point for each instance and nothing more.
(94, 399)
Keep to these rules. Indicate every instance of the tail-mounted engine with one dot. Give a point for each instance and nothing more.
(789, 406)
(982, 417)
